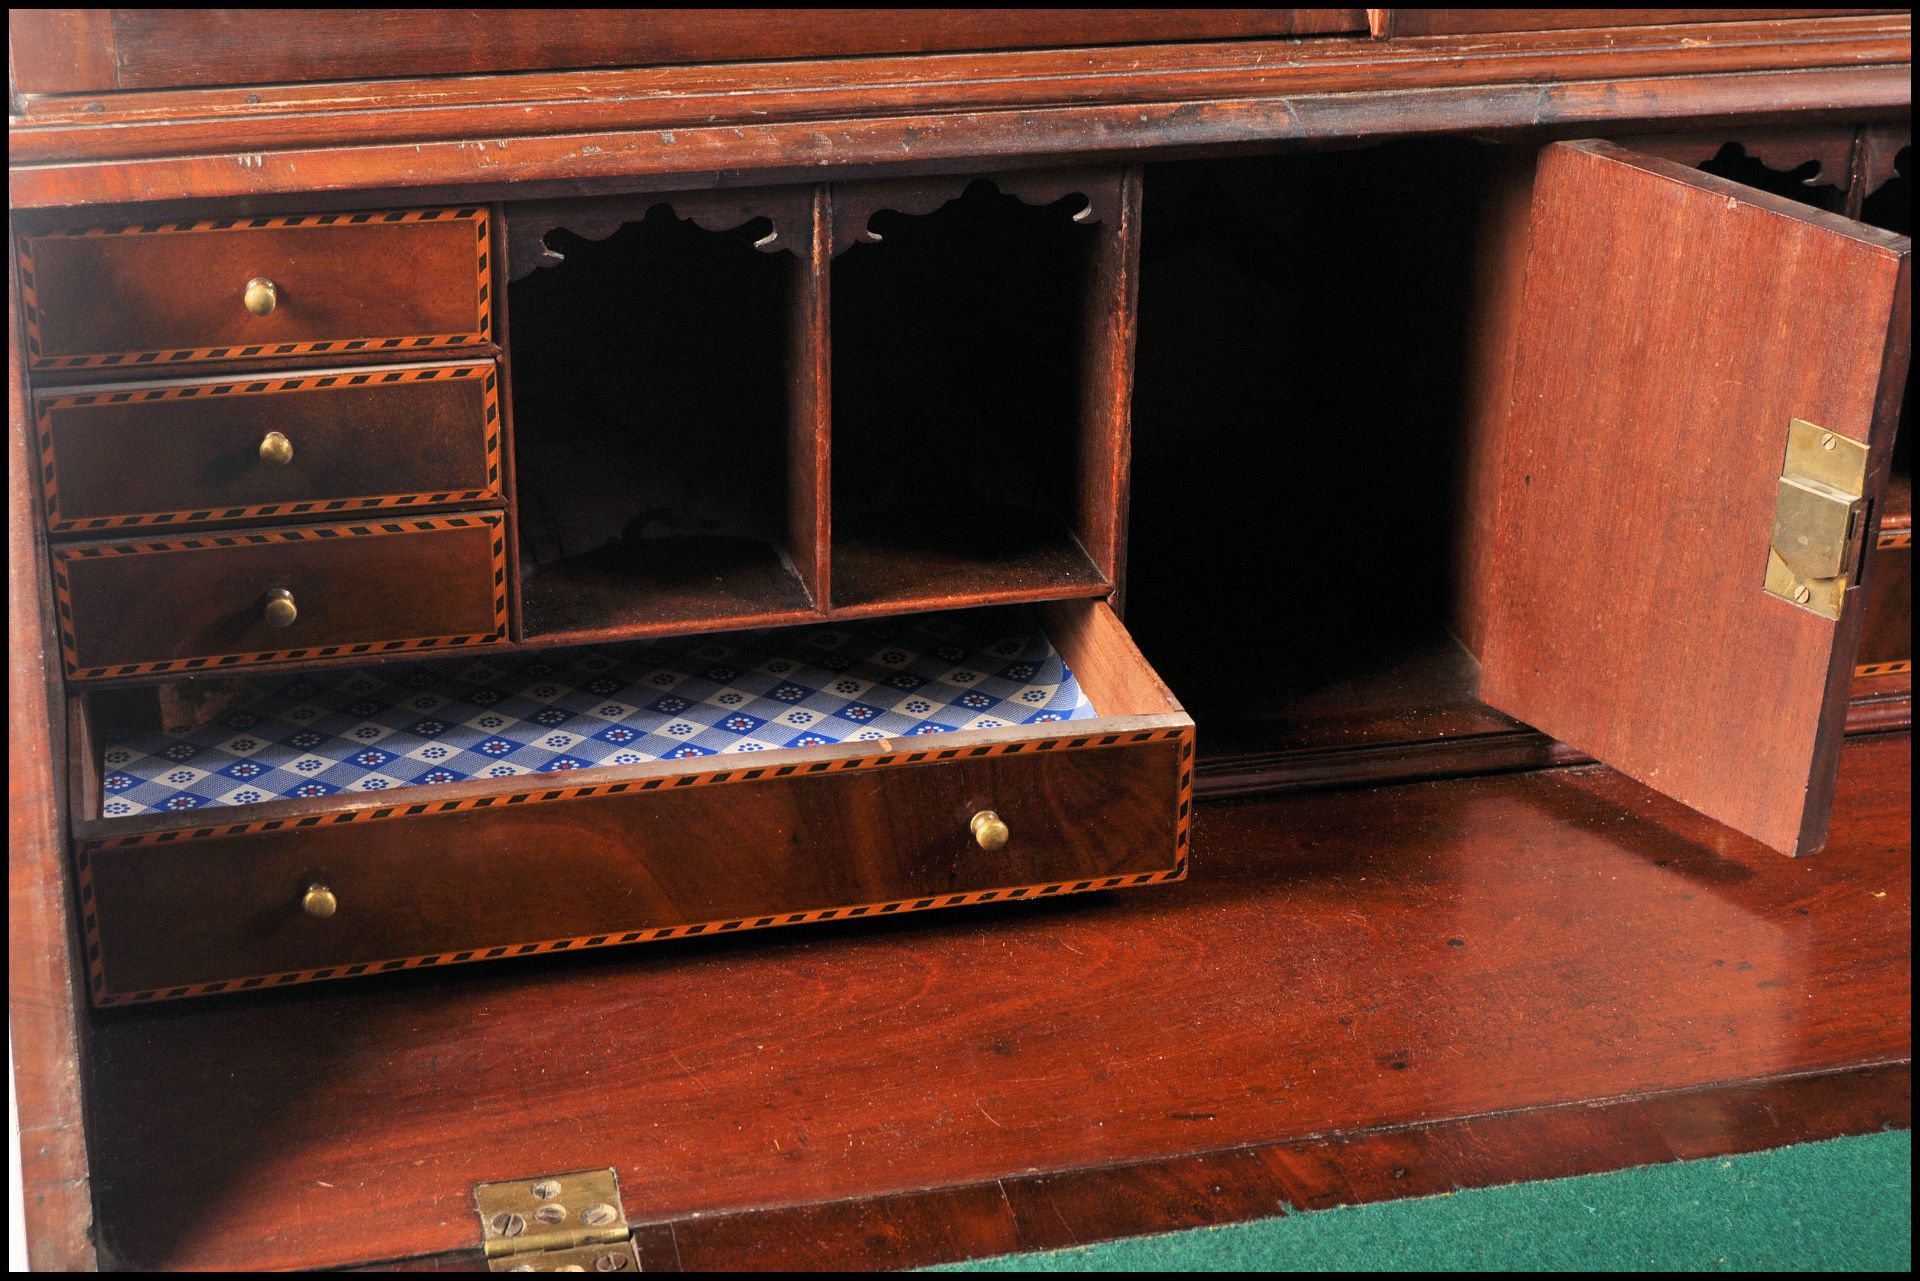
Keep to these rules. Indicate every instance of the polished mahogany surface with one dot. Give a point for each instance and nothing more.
(1051, 1211)
(1627, 567)
(1339, 963)
(227, 1133)
(356, 439)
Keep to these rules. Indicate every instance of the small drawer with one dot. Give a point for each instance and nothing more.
(1886, 638)
(257, 288)
(288, 891)
(310, 444)
(197, 604)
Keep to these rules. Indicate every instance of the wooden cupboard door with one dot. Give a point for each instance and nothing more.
(1671, 327)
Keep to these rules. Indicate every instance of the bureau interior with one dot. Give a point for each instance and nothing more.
(650, 404)
(958, 380)
(1320, 320)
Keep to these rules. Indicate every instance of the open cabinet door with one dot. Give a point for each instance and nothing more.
(1672, 328)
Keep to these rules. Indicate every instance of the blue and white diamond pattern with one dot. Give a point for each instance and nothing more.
(398, 726)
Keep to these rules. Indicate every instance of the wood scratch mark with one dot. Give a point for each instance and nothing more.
(982, 1105)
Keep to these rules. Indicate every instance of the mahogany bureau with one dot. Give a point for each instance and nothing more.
(539, 481)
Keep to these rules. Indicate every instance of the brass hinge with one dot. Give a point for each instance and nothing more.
(556, 1223)
(1819, 519)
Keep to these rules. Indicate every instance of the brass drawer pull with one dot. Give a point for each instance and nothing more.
(319, 902)
(989, 830)
(281, 610)
(276, 449)
(261, 296)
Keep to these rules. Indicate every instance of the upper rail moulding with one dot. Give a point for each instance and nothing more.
(60, 51)
(555, 134)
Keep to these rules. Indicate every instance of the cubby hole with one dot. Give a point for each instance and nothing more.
(651, 425)
(1299, 444)
(1312, 351)
(959, 426)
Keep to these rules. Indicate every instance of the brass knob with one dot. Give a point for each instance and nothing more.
(319, 902)
(261, 297)
(989, 830)
(280, 608)
(276, 449)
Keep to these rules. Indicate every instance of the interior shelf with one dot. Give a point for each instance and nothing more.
(959, 423)
(651, 427)
(956, 554)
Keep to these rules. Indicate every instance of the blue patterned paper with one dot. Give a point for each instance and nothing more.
(397, 725)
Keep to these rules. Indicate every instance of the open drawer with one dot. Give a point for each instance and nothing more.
(239, 896)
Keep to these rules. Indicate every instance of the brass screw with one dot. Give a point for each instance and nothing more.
(551, 1213)
(547, 1189)
(1802, 594)
(1828, 443)
(612, 1263)
(508, 1224)
(599, 1215)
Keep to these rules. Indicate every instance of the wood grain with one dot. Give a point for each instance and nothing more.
(642, 863)
(1428, 952)
(1429, 1157)
(1630, 622)
(384, 580)
(153, 48)
(1110, 320)
(47, 1034)
(1443, 22)
(810, 401)
(188, 454)
(1499, 274)
(1112, 671)
(151, 296)
(563, 134)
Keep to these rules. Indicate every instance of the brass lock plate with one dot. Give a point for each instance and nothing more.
(1819, 519)
(556, 1223)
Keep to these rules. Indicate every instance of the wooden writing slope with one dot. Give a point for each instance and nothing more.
(489, 490)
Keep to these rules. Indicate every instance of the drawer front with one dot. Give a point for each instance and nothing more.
(154, 295)
(205, 452)
(196, 604)
(1886, 641)
(561, 868)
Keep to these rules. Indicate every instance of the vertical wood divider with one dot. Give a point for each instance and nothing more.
(1106, 391)
(46, 973)
(498, 281)
(809, 442)
(1498, 270)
